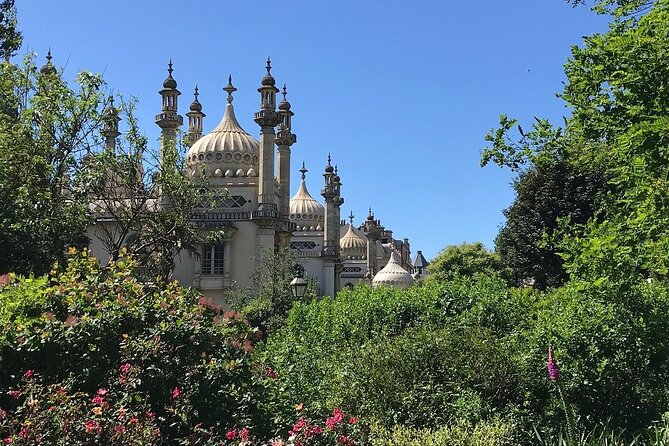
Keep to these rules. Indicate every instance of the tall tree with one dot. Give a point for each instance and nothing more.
(545, 193)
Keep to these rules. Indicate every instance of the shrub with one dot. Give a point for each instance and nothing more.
(493, 433)
(160, 349)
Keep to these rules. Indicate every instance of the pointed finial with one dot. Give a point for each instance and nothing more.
(336, 169)
(269, 65)
(283, 92)
(169, 67)
(230, 89)
(351, 217)
(329, 159)
(48, 56)
(196, 93)
(303, 170)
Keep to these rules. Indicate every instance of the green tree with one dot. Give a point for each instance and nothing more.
(267, 301)
(467, 259)
(545, 193)
(10, 36)
(46, 128)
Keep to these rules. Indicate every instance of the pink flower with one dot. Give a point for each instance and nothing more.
(8, 440)
(15, 394)
(24, 433)
(52, 408)
(98, 400)
(125, 368)
(244, 434)
(102, 392)
(176, 393)
(231, 434)
(150, 414)
(119, 429)
(271, 373)
(352, 420)
(248, 346)
(91, 426)
(133, 421)
(28, 374)
(553, 369)
(317, 430)
(3, 413)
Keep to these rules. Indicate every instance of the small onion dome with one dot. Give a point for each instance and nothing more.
(284, 104)
(48, 67)
(195, 105)
(268, 80)
(336, 179)
(329, 168)
(169, 82)
(305, 210)
(393, 275)
(352, 245)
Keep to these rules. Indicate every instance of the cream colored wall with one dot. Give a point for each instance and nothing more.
(243, 254)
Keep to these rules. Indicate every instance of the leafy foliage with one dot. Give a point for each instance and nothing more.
(466, 260)
(545, 194)
(160, 349)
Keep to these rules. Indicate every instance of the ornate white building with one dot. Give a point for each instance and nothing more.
(258, 214)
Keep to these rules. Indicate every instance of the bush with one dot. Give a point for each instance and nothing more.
(494, 433)
(167, 351)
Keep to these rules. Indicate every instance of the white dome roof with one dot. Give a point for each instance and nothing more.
(393, 274)
(227, 147)
(305, 210)
(352, 245)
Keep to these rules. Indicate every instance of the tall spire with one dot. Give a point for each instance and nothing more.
(351, 217)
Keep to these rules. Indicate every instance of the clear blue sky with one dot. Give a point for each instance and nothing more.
(400, 92)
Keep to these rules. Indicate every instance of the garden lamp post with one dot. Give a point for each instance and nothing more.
(298, 286)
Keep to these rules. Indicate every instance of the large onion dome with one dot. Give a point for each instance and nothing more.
(307, 213)
(352, 246)
(393, 275)
(228, 150)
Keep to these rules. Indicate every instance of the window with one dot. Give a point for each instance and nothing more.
(212, 260)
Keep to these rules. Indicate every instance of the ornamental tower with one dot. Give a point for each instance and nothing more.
(284, 139)
(110, 120)
(195, 119)
(169, 119)
(267, 118)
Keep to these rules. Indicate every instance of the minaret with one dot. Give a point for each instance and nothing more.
(195, 119)
(338, 201)
(372, 232)
(284, 139)
(169, 119)
(329, 193)
(110, 120)
(267, 118)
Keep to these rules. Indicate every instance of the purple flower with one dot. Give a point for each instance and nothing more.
(552, 366)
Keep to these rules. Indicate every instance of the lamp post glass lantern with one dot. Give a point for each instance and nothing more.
(298, 286)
